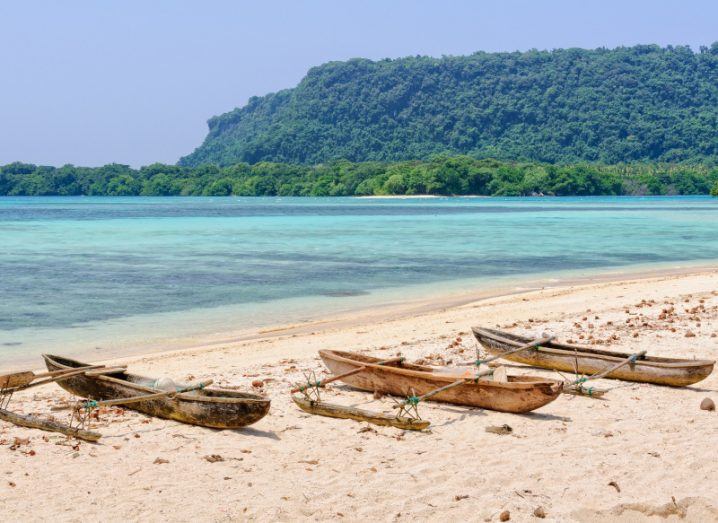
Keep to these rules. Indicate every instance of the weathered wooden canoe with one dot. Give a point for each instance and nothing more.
(518, 394)
(566, 357)
(216, 408)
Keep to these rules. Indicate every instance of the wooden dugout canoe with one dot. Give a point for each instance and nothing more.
(565, 357)
(215, 408)
(519, 394)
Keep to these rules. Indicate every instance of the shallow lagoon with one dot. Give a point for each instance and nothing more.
(82, 271)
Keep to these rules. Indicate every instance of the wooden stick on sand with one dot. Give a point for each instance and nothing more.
(321, 408)
(34, 422)
(340, 411)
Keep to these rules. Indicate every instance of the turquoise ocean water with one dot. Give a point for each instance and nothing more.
(83, 273)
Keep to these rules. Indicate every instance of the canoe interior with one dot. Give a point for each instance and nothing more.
(571, 349)
(439, 375)
(145, 385)
(674, 372)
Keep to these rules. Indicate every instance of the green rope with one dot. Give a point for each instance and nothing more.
(413, 400)
(310, 385)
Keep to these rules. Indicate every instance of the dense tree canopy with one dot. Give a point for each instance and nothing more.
(642, 103)
(447, 175)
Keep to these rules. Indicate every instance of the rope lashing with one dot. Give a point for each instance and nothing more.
(628, 361)
(6, 396)
(81, 414)
(588, 391)
(310, 385)
(413, 400)
(310, 390)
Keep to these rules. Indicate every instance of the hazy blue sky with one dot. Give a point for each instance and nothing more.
(135, 81)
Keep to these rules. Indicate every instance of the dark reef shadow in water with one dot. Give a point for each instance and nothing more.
(343, 294)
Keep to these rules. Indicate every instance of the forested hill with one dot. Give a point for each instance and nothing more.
(448, 175)
(605, 105)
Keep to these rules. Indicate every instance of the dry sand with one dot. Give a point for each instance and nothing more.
(645, 453)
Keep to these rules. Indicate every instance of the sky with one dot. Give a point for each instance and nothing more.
(134, 82)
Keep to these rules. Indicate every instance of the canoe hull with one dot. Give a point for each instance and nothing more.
(566, 358)
(519, 396)
(214, 408)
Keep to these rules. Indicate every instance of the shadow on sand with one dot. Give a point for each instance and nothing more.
(257, 433)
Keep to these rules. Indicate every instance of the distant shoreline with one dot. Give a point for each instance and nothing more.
(447, 175)
(403, 196)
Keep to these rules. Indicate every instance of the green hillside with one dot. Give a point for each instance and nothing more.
(643, 103)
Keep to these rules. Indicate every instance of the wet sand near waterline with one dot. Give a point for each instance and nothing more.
(626, 458)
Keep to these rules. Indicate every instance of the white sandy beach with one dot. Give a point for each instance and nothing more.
(644, 453)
